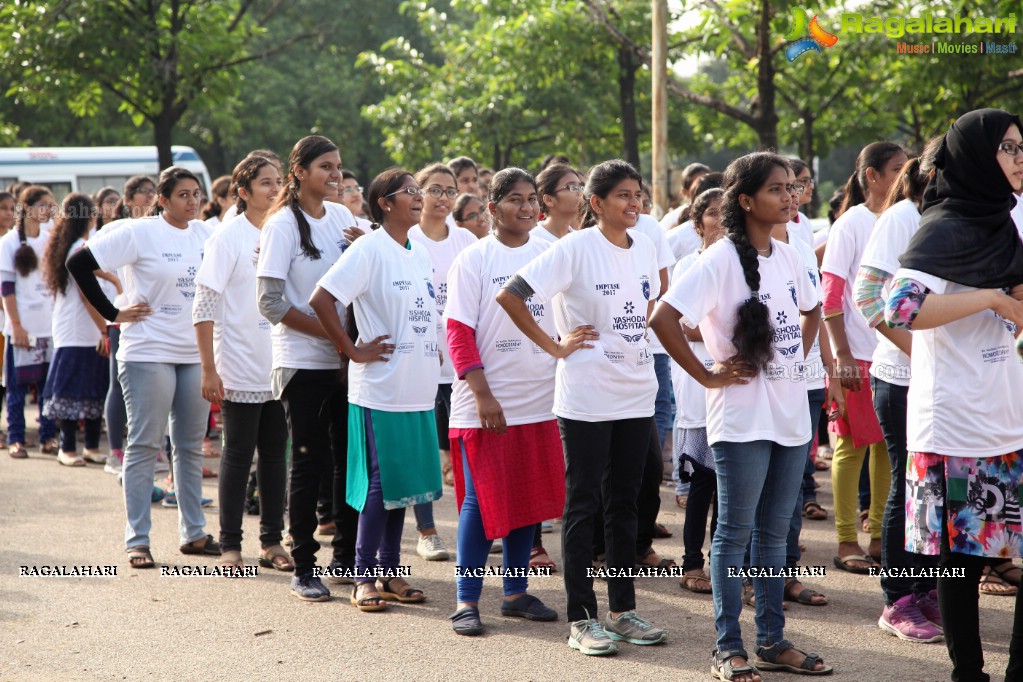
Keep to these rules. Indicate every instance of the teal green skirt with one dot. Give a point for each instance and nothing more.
(407, 454)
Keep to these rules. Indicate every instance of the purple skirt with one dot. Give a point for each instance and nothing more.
(76, 386)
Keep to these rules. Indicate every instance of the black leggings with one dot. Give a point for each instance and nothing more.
(248, 426)
(69, 434)
(702, 491)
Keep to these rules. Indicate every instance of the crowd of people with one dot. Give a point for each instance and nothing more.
(537, 343)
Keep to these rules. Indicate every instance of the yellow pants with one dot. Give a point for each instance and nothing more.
(845, 478)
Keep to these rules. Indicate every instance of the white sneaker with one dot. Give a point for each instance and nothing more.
(114, 463)
(432, 548)
(95, 456)
(161, 463)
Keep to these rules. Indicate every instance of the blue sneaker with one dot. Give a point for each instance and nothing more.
(158, 494)
(171, 500)
(308, 587)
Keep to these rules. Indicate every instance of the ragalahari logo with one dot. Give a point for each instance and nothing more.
(806, 35)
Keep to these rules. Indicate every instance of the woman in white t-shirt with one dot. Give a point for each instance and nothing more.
(159, 361)
(853, 343)
(29, 311)
(800, 224)
(8, 219)
(755, 306)
(470, 212)
(219, 201)
(442, 243)
(690, 437)
(236, 354)
(560, 190)
(76, 386)
(964, 407)
(301, 239)
(911, 607)
(605, 388)
(387, 280)
(509, 465)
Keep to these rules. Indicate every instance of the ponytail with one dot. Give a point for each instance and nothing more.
(875, 155)
(303, 154)
(753, 333)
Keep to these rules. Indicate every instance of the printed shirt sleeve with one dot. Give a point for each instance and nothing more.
(693, 293)
(115, 249)
(868, 292)
(904, 302)
(350, 276)
(206, 305)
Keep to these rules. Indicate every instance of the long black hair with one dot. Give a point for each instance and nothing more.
(600, 181)
(25, 258)
(305, 151)
(548, 180)
(221, 189)
(383, 187)
(753, 331)
(73, 224)
(243, 175)
(168, 180)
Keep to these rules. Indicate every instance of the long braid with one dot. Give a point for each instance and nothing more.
(753, 333)
(304, 230)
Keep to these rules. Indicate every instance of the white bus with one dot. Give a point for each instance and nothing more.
(89, 169)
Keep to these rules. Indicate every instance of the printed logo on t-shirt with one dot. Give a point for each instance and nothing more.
(442, 295)
(645, 282)
(401, 284)
(536, 308)
(171, 257)
(420, 331)
(405, 348)
(630, 321)
(608, 289)
(614, 357)
(429, 289)
(430, 349)
(996, 354)
(508, 345)
(792, 290)
(186, 285)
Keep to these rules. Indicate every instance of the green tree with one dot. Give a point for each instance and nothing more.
(156, 58)
(507, 82)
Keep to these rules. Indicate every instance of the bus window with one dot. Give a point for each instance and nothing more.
(90, 184)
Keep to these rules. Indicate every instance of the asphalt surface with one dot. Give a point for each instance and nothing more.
(141, 626)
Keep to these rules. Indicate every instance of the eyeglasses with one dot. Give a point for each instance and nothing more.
(414, 191)
(1011, 148)
(799, 189)
(147, 191)
(574, 187)
(352, 190)
(475, 215)
(437, 192)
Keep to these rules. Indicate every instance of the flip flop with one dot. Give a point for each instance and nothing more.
(805, 595)
(813, 511)
(843, 563)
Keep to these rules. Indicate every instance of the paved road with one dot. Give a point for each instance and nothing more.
(141, 626)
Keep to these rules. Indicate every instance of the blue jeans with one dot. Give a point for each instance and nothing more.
(758, 484)
(792, 553)
(154, 391)
(662, 405)
(116, 412)
(891, 408)
(16, 406)
(473, 546)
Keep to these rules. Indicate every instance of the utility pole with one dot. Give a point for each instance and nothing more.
(659, 110)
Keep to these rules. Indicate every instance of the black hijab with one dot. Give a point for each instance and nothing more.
(966, 234)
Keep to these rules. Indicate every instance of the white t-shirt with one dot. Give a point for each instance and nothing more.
(1017, 214)
(964, 399)
(231, 212)
(391, 288)
(814, 365)
(540, 232)
(607, 287)
(690, 395)
(213, 221)
(281, 257)
(442, 254)
(520, 373)
(665, 260)
(773, 405)
(888, 241)
(684, 240)
(34, 300)
(801, 228)
(242, 348)
(670, 218)
(846, 243)
(72, 325)
(160, 262)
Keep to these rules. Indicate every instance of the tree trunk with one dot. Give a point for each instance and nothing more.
(163, 131)
(806, 146)
(627, 66)
(767, 115)
(497, 157)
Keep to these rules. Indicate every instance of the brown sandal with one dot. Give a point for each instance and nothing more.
(276, 557)
(405, 595)
(813, 511)
(140, 557)
(697, 583)
(864, 518)
(992, 583)
(371, 602)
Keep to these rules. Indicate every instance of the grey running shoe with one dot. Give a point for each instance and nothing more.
(589, 637)
(630, 628)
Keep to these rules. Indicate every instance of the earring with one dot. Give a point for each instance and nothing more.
(388, 209)
(748, 208)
